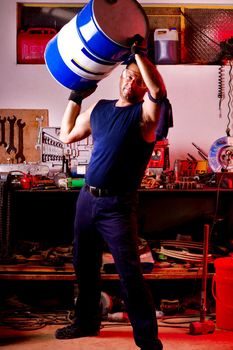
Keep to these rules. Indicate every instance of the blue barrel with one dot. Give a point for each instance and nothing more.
(94, 42)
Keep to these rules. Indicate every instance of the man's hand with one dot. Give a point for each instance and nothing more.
(135, 49)
(139, 45)
(78, 95)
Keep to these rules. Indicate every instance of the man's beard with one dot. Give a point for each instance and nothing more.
(129, 96)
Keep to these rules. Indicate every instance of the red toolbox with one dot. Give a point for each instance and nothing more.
(31, 44)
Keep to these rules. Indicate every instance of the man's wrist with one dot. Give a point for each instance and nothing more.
(78, 95)
(75, 97)
(137, 50)
(156, 100)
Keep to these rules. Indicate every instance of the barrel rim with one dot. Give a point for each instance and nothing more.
(112, 40)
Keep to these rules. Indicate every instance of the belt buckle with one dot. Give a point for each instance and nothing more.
(95, 191)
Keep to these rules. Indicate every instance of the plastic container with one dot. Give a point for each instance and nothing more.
(78, 183)
(166, 46)
(223, 292)
(94, 42)
(31, 44)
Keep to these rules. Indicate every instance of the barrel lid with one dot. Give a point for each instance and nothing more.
(121, 20)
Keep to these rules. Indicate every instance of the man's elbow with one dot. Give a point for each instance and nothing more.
(64, 138)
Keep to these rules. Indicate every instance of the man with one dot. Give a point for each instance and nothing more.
(123, 132)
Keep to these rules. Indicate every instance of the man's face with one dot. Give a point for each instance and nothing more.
(132, 86)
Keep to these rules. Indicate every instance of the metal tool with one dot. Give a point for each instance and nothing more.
(11, 147)
(2, 123)
(191, 157)
(200, 151)
(19, 155)
(39, 134)
(204, 326)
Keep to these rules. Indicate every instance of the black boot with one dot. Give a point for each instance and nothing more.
(74, 331)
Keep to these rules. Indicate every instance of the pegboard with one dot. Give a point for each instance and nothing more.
(19, 131)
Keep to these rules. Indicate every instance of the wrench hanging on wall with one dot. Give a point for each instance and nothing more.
(19, 155)
(39, 139)
(2, 123)
(11, 147)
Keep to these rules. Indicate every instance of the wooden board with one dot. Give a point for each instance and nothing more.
(30, 133)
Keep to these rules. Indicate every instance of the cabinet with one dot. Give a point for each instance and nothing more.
(47, 217)
(205, 32)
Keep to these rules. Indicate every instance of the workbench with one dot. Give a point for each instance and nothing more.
(47, 216)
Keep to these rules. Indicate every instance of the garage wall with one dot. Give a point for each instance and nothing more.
(192, 89)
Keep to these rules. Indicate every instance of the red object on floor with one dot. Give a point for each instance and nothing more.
(224, 290)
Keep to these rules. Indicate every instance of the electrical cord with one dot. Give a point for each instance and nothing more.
(27, 320)
(221, 88)
(229, 100)
(24, 321)
(183, 321)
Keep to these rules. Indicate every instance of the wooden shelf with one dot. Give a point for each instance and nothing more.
(36, 272)
(185, 212)
(201, 27)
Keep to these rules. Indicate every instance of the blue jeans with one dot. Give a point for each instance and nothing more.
(112, 220)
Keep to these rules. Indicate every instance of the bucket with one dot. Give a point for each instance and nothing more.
(223, 291)
(166, 46)
(94, 42)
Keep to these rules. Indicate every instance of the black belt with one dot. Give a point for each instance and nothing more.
(101, 192)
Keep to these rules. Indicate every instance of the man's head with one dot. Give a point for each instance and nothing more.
(132, 86)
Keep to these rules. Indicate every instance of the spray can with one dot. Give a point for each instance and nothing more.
(166, 46)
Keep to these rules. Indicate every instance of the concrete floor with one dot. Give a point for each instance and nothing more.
(113, 337)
